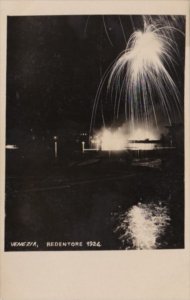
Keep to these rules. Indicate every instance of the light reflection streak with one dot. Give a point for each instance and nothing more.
(142, 226)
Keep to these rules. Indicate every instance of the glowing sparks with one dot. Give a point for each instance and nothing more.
(139, 75)
(145, 53)
(142, 226)
(140, 78)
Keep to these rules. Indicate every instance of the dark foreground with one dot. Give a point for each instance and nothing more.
(95, 204)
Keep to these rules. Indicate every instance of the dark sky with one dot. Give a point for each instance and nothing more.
(54, 66)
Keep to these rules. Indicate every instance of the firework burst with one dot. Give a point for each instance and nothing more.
(140, 77)
(140, 73)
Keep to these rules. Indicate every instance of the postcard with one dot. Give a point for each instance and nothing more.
(95, 100)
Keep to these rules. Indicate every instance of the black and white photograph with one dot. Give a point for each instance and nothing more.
(95, 132)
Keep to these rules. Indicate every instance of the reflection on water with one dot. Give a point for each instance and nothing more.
(142, 226)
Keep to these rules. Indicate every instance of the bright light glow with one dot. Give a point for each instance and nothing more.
(145, 53)
(140, 134)
(140, 72)
(119, 139)
(141, 146)
(111, 140)
(12, 147)
(139, 81)
(143, 225)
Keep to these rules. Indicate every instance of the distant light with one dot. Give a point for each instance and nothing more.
(12, 147)
(55, 137)
(142, 146)
(140, 133)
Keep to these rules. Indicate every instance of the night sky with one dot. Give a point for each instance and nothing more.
(54, 66)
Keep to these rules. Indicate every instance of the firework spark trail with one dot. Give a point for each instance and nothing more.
(122, 29)
(105, 28)
(132, 23)
(140, 74)
(86, 25)
(143, 62)
(171, 23)
(176, 22)
(142, 226)
(106, 31)
(98, 94)
(97, 99)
